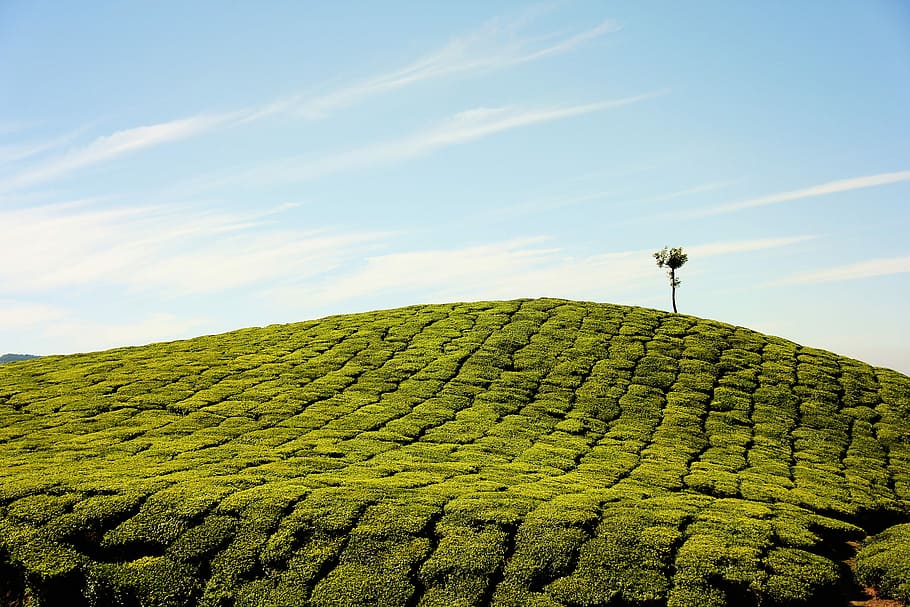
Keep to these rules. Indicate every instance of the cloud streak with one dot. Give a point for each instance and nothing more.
(10, 154)
(743, 246)
(162, 249)
(524, 267)
(854, 271)
(493, 47)
(824, 189)
(16, 315)
(119, 143)
(170, 253)
(461, 128)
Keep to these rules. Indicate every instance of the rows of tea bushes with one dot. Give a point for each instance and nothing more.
(535, 452)
(885, 562)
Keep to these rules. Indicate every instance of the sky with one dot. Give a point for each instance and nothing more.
(173, 169)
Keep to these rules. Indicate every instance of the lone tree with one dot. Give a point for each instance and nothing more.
(672, 259)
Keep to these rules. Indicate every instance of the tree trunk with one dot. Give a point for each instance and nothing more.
(673, 287)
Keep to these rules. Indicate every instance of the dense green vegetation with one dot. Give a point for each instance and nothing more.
(885, 562)
(535, 452)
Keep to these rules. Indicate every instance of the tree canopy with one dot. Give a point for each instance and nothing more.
(672, 259)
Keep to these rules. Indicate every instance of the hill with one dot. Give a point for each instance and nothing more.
(9, 358)
(533, 452)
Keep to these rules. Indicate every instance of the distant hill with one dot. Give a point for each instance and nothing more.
(520, 453)
(8, 358)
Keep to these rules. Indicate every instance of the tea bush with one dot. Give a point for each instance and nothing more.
(539, 452)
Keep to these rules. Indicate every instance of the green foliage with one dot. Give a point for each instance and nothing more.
(797, 576)
(672, 259)
(524, 453)
(884, 562)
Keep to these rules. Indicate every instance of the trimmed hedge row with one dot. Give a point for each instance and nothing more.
(531, 452)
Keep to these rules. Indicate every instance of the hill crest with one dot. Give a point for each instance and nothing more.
(542, 452)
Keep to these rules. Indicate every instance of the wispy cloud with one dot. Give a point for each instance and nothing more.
(495, 46)
(461, 128)
(480, 122)
(854, 271)
(14, 153)
(16, 315)
(248, 259)
(169, 250)
(743, 246)
(117, 144)
(429, 270)
(514, 268)
(831, 187)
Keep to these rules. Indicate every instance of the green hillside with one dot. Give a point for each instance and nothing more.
(536, 452)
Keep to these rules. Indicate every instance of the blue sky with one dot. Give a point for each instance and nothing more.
(172, 169)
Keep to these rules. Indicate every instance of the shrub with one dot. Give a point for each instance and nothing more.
(884, 562)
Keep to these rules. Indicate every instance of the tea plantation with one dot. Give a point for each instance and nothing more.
(535, 453)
